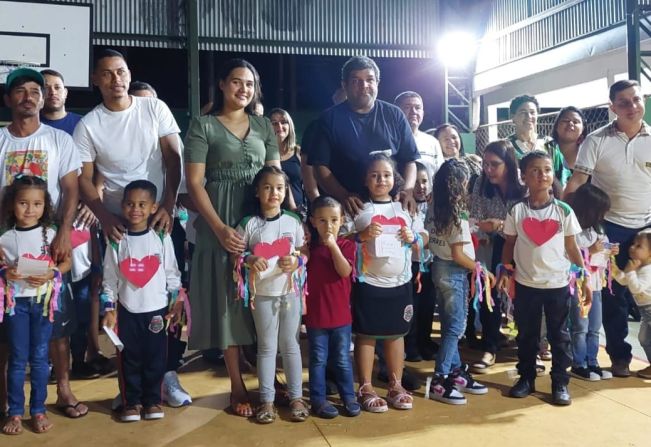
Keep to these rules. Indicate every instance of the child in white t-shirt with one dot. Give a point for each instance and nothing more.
(29, 299)
(140, 276)
(454, 257)
(637, 276)
(590, 204)
(540, 236)
(273, 237)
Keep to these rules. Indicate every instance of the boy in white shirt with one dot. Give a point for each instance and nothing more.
(140, 272)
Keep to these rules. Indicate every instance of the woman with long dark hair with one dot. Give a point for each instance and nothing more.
(494, 192)
(226, 150)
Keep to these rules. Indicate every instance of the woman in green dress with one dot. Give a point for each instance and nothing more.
(225, 150)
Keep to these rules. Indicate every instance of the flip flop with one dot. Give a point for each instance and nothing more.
(41, 424)
(17, 422)
(72, 411)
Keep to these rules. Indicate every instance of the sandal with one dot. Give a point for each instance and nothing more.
(242, 409)
(398, 397)
(369, 400)
(299, 410)
(13, 425)
(546, 355)
(40, 423)
(482, 366)
(73, 411)
(266, 413)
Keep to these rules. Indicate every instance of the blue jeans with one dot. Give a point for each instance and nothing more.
(615, 305)
(451, 284)
(330, 346)
(585, 332)
(29, 335)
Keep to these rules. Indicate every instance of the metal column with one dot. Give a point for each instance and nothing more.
(637, 18)
(192, 47)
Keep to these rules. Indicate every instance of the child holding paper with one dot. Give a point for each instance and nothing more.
(273, 238)
(140, 273)
(382, 297)
(34, 282)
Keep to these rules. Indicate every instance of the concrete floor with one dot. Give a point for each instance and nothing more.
(610, 413)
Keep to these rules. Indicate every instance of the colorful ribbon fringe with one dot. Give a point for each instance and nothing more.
(480, 288)
(50, 298)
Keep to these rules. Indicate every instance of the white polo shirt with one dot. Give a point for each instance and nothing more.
(622, 168)
(430, 152)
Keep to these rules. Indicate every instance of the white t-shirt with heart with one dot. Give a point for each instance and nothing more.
(274, 237)
(140, 271)
(540, 258)
(26, 242)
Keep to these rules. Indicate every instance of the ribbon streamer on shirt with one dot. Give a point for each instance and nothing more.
(50, 298)
(578, 276)
(509, 271)
(480, 288)
(186, 315)
(241, 276)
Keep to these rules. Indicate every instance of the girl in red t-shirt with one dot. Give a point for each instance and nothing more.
(328, 319)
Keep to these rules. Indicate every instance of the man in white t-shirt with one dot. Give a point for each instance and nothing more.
(429, 148)
(618, 157)
(29, 147)
(126, 138)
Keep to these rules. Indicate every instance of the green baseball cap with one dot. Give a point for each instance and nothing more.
(24, 73)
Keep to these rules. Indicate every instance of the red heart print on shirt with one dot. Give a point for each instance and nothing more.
(279, 247)
(139, 271)
(39, 257)
(384, 220)
(79, 237)
(540, 231)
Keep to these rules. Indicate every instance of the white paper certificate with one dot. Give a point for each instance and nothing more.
(388, 244)
(32, 267)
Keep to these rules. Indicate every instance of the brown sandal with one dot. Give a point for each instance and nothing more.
(299, 410)
(13, 425)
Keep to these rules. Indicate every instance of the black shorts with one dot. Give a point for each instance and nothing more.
(380, 312)
(65, 319)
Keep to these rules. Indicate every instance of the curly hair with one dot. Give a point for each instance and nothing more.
(449, 196)
(9, 199)
(398, 181)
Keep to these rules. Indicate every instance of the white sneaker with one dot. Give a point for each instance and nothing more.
(173, 392)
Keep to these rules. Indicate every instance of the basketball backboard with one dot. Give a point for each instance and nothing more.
(43, 35)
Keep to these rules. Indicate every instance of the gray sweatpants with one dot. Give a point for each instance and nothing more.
(277, 320)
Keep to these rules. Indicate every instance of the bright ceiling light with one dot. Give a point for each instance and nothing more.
(457, 49)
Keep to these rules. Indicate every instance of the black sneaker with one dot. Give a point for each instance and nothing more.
(409, 382)
(444, 390)
(560, 394)
(585, 374)
(465, 383)
(522, 388)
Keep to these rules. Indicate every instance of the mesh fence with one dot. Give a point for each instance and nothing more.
(596, 117)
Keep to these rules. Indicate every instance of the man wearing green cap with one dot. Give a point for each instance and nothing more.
(29, 147)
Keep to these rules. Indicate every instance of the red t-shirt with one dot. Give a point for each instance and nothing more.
(328, 299)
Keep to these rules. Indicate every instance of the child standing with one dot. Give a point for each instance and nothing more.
(272, 237)
(31, 300)
(140, 273)
(418, 342)
(382, 299)
(328, 319)
(454, 258)
(590, 204)
(637, 276)
(540, 236)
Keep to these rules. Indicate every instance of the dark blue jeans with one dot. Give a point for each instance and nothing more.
(615, 305)
(333, 343)
(29, 335)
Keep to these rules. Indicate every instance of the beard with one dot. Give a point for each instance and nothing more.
(51, 109)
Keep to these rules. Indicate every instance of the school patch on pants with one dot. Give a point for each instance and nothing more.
(156, 325)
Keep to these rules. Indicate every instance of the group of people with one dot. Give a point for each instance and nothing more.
(360, 230)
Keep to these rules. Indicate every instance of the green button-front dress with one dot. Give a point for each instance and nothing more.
(219, 319)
